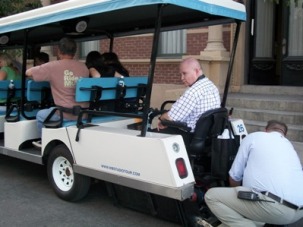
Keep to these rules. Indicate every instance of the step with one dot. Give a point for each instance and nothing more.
(257, 104)
(294, 118)
(272, 90)
(294, 134)
(293, 103)
(254, 126)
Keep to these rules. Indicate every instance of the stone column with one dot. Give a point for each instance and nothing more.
(214, 59)
(215, 39)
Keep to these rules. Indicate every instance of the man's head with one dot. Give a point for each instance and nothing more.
(67, 47)
(277, 126)
(190, 70)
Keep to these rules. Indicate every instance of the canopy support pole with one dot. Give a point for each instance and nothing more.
(231, 62)
(152, 67)
(23, 81)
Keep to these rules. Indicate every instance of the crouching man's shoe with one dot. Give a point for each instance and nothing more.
(37, 144)
(199, 222)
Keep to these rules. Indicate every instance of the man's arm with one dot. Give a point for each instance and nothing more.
(29, 73)
(233, 183)
(3, 75)
(164, 116)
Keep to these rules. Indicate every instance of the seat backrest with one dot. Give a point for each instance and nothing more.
(85, 86)
(210, 124)
(35, 90)
(4, 88)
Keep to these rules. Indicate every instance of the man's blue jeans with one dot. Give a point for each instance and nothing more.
(42, 115)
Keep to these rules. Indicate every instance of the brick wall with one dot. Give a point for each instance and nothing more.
(135, 47)
(165, 73)
(135, 52)
(196, 42)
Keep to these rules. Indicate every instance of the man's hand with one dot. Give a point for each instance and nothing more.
(233, 183)
(163, 117)
(28, 73)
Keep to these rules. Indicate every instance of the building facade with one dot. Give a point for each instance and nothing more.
(270, 49)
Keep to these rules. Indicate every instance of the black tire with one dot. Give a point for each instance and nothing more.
(67, 185)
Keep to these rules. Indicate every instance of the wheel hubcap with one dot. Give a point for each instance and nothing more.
(63, 174)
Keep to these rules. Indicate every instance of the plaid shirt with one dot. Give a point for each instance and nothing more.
(203, 95)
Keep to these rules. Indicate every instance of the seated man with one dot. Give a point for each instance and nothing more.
(267, 164)
(201, 95)
(62, 75)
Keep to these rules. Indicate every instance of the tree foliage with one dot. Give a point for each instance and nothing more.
(9, 7)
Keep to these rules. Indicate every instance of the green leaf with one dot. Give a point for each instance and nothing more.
(9, 7)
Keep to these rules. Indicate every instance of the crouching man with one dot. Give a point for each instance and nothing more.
(268, 166)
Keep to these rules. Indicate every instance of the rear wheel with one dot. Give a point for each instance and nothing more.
(67, 184)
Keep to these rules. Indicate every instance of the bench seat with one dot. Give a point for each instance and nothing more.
(99, 90)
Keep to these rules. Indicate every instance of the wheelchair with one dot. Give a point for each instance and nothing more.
(210, 156)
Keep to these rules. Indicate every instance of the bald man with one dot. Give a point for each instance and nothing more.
(201, 95)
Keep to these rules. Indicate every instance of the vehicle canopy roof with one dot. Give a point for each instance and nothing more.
(114, 18)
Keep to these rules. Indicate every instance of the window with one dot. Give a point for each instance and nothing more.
(264, 29)
(172, 43)
(88, 46)
(295, 37)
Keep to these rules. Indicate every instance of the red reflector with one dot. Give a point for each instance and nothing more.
(181, 167)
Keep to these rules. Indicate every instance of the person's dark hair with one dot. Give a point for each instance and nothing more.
(67, 46)
(43, 57)
(274, 125)
(93, 59)
(112, 64)
(110, 57)
(108, 70)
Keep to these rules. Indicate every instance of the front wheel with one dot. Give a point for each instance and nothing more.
(67, 185)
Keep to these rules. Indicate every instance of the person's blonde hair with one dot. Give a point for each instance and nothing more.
(6, 59)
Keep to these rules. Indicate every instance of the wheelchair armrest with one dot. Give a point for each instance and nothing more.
(162, 108)
(176, 124)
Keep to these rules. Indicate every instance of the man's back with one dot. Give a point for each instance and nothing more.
(62, 75)
(272, 165)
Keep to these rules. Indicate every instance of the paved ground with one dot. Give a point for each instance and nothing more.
(26, 199)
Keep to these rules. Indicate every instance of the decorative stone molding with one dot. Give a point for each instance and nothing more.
(294, 66)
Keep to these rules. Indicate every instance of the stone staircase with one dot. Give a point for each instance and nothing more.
(258, 104)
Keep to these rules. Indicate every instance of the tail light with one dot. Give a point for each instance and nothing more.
(181, 167)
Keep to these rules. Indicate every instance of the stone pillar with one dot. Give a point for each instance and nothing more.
(215, 39)
(238, 76)
(214, 59)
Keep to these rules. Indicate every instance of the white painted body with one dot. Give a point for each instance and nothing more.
(122, 156)
(18, 132)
